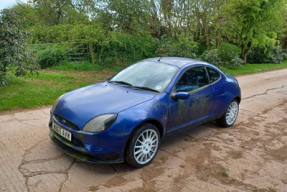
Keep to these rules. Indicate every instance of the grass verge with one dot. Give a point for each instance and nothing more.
(83, 66)
(37, 91)
(254, 68)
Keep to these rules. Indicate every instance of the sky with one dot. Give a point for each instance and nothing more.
(8, 3)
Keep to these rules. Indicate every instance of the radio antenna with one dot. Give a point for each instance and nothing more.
(159, 59)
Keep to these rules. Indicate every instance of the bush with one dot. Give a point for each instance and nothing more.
(284, 54)
(267, 55)
(50, 57)
(228, 51)
(120, 48)
(276, 55)
(201, 49)
(212, 57)
(14, 55)
(260, 55)
(183, 47)
(229, 60)
(66, 33)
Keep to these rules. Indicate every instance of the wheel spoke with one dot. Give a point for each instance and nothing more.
(141, 142)
(137, 152)
(137, 157)
(143, 137)
(142, 157)
(150, 135)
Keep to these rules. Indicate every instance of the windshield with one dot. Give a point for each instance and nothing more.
(147, 74)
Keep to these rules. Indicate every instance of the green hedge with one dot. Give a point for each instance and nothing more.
(50, 57)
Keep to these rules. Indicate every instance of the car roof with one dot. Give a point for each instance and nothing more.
(176, 61)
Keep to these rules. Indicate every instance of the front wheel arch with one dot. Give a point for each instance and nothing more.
(134, 140)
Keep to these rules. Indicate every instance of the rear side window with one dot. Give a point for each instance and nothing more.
(213, 75)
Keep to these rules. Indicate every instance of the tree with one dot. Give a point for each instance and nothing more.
(252, 22)
(14, 55)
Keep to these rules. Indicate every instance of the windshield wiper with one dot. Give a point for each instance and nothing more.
(146, 88)
(121, 82)
(137, 87)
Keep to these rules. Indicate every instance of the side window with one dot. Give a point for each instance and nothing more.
(213, 75)
(192, 79)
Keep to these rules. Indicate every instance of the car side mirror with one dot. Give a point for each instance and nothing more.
(181, 95)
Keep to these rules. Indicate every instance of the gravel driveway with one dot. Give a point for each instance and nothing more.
(250, 156)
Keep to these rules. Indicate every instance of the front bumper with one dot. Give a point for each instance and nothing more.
(79, 155)
(104, 147)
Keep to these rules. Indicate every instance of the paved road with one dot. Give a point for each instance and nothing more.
(249, 156)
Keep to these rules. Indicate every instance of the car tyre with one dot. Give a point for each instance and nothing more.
(142, 146)
(230, 115)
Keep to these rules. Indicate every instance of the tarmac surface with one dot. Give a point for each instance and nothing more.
(249, 156)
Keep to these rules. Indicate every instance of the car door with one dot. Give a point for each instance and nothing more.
(194, 110)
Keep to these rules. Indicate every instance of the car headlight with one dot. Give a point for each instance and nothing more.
(100, 123)
(56, 103)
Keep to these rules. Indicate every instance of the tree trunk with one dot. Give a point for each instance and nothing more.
(244, 51)
(206, 34)
(218, 34)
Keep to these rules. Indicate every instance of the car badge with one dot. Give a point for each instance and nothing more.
(64, 121)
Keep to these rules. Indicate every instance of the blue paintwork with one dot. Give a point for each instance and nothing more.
(134, 107)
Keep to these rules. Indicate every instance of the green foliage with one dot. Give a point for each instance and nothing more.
(259, 55)
(229, 55)
(229, 59)
(201, 49)
(66, 33)
(115, 48)
(120, 48)
(14, 55)
(257, 22)
(276, 55)
(122, 31)
(235, 62)
(212, 57)
(183, 47)
(225, 48)
(266, 55)
(284, 54)
(50, 57)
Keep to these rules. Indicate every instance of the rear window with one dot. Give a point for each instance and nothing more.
(213, 75)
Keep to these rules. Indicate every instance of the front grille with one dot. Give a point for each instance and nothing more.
(75, 141)
(65, 122)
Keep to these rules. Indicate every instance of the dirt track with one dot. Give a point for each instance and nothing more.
(250, 156)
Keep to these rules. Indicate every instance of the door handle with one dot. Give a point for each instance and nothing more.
(207, 96)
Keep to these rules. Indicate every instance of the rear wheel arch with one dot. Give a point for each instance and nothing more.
(238, 99)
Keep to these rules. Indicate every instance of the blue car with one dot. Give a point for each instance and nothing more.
(124, 117)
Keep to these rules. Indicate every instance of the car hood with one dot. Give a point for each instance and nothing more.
(83, 104)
